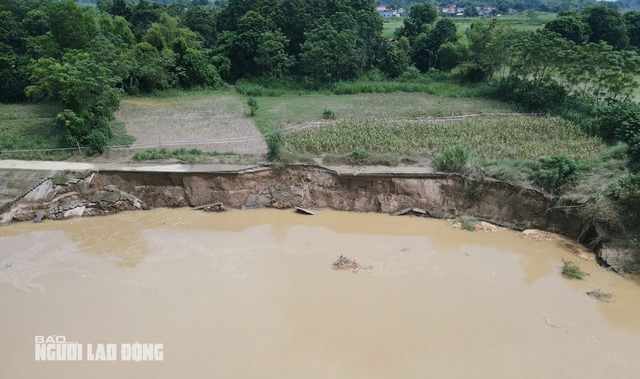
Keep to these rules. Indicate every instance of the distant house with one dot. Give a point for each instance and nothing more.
(485, 11)
(384, 11)
(451, 11)
(460, 12)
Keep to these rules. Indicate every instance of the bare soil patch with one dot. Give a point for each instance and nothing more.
(210, 121)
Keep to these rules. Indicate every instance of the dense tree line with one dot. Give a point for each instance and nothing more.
(88, 57)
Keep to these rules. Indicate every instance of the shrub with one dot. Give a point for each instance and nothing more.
(357, 155)
(453, 159)
(553, 173)
(473, 73)
(572, 270)
(411, 72)
(627, 187)
(468, 223)
(253, 105)
(542, 97)
(618, 121)
(275, 143)
(60, 178)
(450, 55)
(328, 114)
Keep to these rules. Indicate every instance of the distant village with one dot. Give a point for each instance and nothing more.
(452, 11)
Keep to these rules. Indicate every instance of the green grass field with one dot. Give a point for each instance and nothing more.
(389, 26)
(28, 126)
(519, 21)
(278, 112)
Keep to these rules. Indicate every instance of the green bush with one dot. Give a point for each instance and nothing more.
(275, 144)
(618, 121)
(473, 73)
(555, 172)
(540, 98)
(357, 155)
(450, 55)
(453, 159)
(328, 114)
(253, 105)
(410, 73)
(467, 223)
(572, 270)
(627, 187)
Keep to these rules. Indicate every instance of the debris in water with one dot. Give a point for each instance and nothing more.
(551, 324)
(213, 207)
(412, 210)
(345, 263)
(484, 226)
(304, 211)
(599, 295)
(575, 250)
(537, 235)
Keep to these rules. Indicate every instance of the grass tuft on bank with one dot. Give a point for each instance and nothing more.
(181, 154)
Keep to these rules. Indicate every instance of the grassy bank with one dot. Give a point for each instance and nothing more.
(433, 83)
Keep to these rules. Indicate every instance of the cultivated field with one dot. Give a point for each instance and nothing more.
(488, 136)
(520, 22)
(418, 125)
(207, 120)
(284, 111)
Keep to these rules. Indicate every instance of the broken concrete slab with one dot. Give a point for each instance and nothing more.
(44, 191)
(412, 210)
(39, 216)
(304, 211)
(206, 206)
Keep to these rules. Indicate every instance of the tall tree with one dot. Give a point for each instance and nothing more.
(632, 20)
(420, 16)
(328, 55)
(570, 27)
(70, 26)
(606, 25)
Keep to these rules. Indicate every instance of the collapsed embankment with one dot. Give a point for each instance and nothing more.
(441, 195)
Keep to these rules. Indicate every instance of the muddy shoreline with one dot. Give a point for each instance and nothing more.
(315, 187)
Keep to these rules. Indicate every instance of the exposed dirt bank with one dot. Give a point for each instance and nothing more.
(441, 195)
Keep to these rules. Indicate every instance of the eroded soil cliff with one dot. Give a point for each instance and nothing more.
(440, 195)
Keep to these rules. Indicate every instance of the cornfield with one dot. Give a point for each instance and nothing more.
(488, 136)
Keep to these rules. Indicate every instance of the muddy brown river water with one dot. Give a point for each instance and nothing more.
(251, 294)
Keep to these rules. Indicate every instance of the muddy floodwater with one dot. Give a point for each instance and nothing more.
(251, 294)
